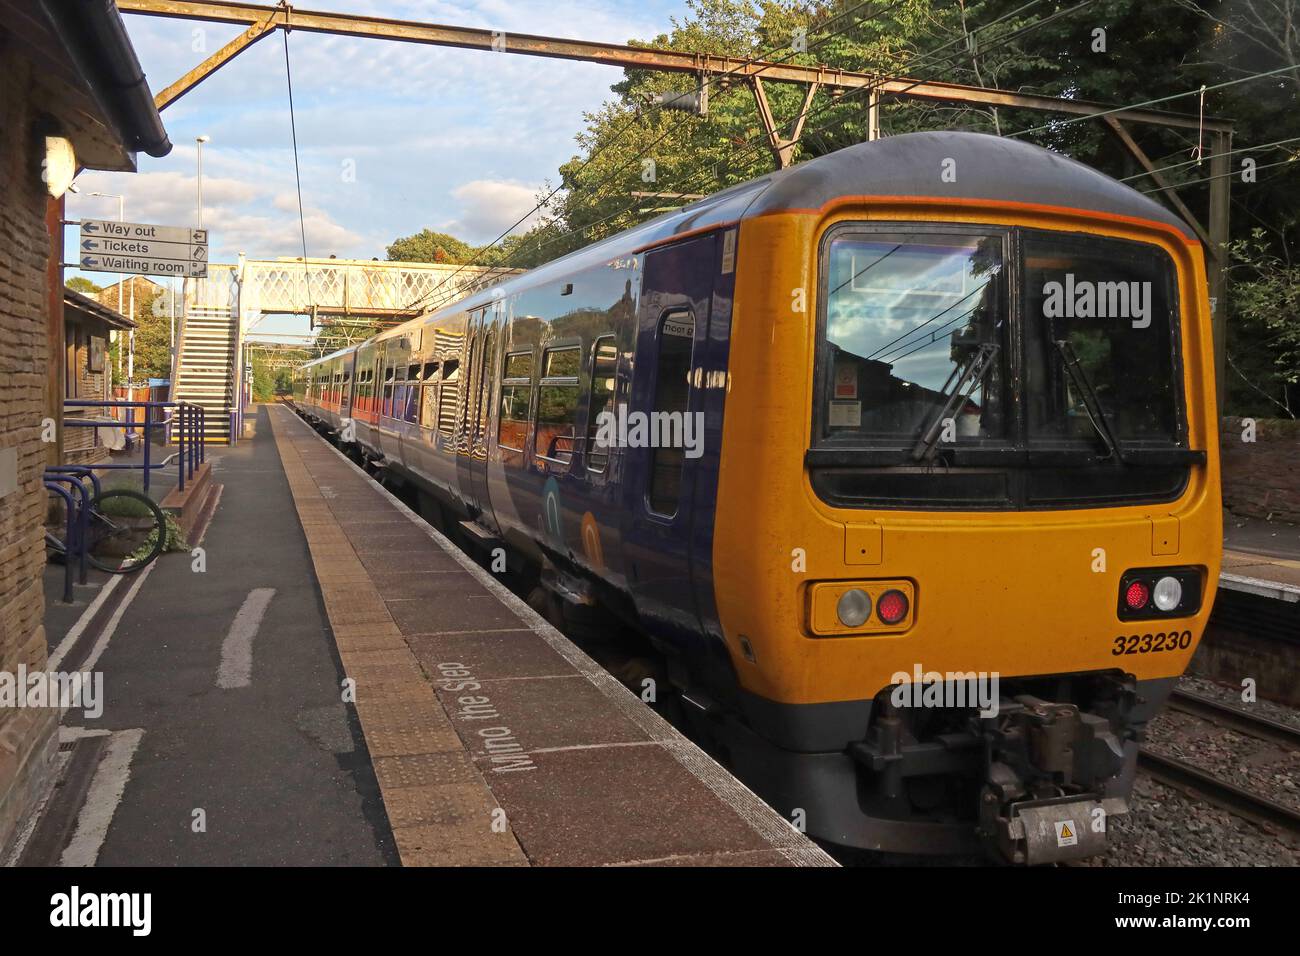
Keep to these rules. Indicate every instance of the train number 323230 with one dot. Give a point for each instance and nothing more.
(1150, 643)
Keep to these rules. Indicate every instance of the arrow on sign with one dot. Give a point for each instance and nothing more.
(89, 227)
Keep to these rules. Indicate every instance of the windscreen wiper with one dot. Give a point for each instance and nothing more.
(1091, 404)
(967, 379)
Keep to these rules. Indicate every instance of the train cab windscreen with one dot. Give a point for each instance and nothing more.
(1006, 368)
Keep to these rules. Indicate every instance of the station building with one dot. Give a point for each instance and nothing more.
(74, 98)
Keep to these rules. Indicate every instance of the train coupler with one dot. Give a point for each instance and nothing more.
(1049, 769)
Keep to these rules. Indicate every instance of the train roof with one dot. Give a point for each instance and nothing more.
(984, 167)
(338, 353)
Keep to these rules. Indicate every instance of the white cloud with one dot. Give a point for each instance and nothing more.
(488, 208)
(433, 137)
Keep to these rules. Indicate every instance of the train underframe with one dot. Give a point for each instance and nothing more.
(1034, 780)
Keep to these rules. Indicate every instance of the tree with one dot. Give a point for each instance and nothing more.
(630, 146)
(83, 285)
(429, 246)
(1264, 351)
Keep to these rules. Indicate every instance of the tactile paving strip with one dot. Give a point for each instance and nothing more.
(585, 774)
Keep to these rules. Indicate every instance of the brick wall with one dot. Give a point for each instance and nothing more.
(1261, 479)
(144, 288)
(27, 738)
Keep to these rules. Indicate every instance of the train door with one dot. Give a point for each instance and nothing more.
(467, 428)
(488, 373)
(664, 432)
(345, 395)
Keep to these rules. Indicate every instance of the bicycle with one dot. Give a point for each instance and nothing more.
(125, 531)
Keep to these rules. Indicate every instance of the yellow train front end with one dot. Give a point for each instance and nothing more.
(968, 523)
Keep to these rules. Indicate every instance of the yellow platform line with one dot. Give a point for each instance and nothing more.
(440, 808)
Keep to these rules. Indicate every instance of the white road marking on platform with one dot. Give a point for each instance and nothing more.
(111, 627)
(83, 622)
(68, 734)
(102, 799)
(236, 668)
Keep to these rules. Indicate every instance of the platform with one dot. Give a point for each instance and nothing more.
(1263, 575)
(474, 707)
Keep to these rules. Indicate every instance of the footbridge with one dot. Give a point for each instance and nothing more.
(222, 311)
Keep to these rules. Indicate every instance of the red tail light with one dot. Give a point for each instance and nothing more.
(892, 607)
(1137, 595)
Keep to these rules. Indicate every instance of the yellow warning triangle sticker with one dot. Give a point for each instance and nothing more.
(1065, 831)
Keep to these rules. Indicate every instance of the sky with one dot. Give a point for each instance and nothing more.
(392, 137)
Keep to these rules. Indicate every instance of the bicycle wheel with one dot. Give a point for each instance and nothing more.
(126, 531)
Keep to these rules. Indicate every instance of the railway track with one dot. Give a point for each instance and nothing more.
(1228, 796)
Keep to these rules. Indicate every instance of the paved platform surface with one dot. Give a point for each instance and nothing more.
(223, 737)
(1261, 574)
(496, 741)
(1261, 557)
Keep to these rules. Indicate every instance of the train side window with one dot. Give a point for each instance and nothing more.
(399, 393)
(604, 369)
(516, 389)
(448, 397)
(485, 389)
(411, 407)
(671, 395)
(429, 396)
(557, 408)
(388, 392)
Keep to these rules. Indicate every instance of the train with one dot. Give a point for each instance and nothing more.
(899, 467)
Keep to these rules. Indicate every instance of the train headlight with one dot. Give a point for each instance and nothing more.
(1150, 593)
(860, 608)
(1168, 593)
(853, 608)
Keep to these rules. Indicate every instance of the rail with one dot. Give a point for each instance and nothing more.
(190, 433)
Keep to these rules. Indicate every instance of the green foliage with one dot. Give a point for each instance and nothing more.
(1264, 303)
(119, 506)
(83, 285)
(268, 382)
(174, 541)
(153, 337)
(263, 380)
(430, 246)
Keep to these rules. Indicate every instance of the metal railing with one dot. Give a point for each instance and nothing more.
(77, 518)
(187, 425)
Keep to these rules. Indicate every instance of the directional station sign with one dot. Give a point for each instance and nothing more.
(143, 249)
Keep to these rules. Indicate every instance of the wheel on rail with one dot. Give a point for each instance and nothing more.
(127, 531)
